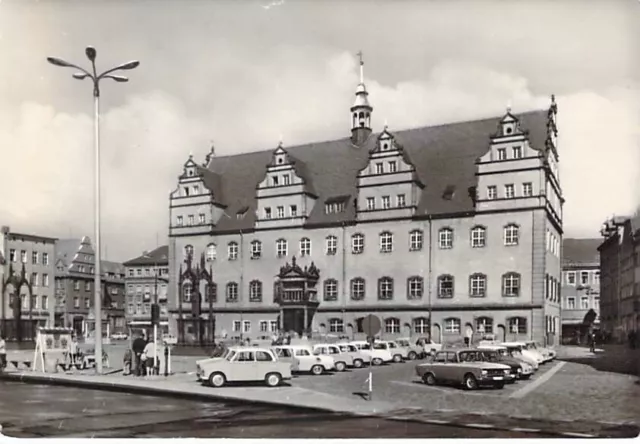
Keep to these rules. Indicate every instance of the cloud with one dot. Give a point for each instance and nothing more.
(48, 166)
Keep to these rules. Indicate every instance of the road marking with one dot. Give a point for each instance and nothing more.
(578, 435)
(525, 429)
(479, 426)
(521, 393)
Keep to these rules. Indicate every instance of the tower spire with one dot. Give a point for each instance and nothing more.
(361, 110)
(361, 67)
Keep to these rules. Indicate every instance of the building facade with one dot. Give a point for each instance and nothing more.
(74, 286)
(27, 272)
(580, 287)
(452, 230)
(620, 276)
(147, 276)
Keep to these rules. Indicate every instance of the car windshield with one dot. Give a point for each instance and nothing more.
(392, 345)
(365, 347)
(491, 356)
(230, 355)
(503, 352)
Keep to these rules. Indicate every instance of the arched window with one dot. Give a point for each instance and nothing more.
(330, 290)
(357, 289)
(281, 248)
(232, 292)
(415, 287)
(416, 238)
(256, 249)
(386, 242)
(445, 286)
(511, 284)
(187, 291)
(357, 243)
(336, 325)
(452, 325)
(517, 325)
(232, 251)
(484, 325)
(188, 251)
(478, 236)
(385, 288)
(421, 325)
(445, 238)
(511, 234)
(255, 291)
(478, 285)
(392, 325)
(331, 243)
(211, 292)
(211, 252)
(305, 246)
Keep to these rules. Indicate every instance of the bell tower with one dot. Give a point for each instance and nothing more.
(361, 111)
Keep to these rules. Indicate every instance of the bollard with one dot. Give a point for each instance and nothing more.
(166, 361)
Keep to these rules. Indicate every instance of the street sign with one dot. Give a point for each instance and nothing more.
(371, 325)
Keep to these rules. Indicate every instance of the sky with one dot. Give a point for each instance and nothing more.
(241, 74)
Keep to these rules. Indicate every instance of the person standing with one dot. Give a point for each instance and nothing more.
(3, 353)
(138, 347)
(149, 354)
(73, 349)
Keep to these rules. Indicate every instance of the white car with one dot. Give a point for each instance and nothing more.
(398, 353)
(302, 359)
(342, 360)
(360, 358)
(243, 364)
(429, 347)
(379, 355)
(415, 351)
(547, 353)
(518, 350)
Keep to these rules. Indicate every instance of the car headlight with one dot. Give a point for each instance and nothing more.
(484, 372)
(519, 369)
(506, 372)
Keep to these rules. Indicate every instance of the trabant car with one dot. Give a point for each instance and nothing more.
(515, 351)
(342, 360)
(398, 353)
(359, 358)
(547, 353)
(461, 367)
(244, 364)
(302, 359)
(379, 354)
(496, 353)
(527, 352)
(428, 346)
(415, 351)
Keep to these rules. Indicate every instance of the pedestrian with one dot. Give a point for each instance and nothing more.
(73, 349)
(126, 362)
(592, 342)
(138, 348)
(3, 353)
(149, 358)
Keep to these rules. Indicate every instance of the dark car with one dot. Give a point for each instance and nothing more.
(495, 356)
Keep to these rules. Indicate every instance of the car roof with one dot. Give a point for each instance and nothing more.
(324, 345)
(249, 348)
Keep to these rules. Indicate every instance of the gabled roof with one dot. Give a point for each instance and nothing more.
(158, 256)
(66, 250)
(443, 155)
(580, 251)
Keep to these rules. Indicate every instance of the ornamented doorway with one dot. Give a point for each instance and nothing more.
(297, 296)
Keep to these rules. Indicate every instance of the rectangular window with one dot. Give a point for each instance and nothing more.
(34, 258)
(571, 278)
(76, 302)
(331, 245)
(236, 325)
(400, 201)
(274, 181)
(571, 303)
(517, 152)
(45, 258)
(280, 212)
(267, 213)
(76, 285)
(393, 166)
(527, 189)
(87, 286)
(492, 192)
(45, 280)
(584, 277)
(246, 326)
(584, 303)
(502, 153)
(273, 325)
(191, 220)
(452, 325)
(23, 256)
(12, 255)
(293, 210)
(45, 303)
(596, 278)
(179, 221)
(87, 302)
(509, 191)
(379, 168)
(371, 203)
(286, 179)
(34, 279)
(264, 326)
(202, 218)
(386, 202)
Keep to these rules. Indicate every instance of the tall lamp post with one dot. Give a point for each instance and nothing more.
(155, 308)
(95, 78)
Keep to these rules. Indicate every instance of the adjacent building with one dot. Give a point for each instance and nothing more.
(27, 275)
(580, 287)
(74, 283)
(147, 277)
(620, 276)
(453, 230)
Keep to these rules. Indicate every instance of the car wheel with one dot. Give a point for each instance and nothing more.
(217, 379)
(317, 369)
(413, 356)
(273, 379)
(429, 379)
(357, 363)
(499, 385)
(341, 366)
(377, 361)
(397, 358)
(470, 382)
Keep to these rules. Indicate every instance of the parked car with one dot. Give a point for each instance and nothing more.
(496, 353)
(527, 351)
(515, 351)
(360, 358)
(547, 353)
(342, 360)
(398, 353)
(460, 367)
(428, 346)
(379, 354)
(302, 359)
(415, 351)
(119, 336)
(243, 365)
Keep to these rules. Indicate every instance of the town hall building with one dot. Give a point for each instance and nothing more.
(453, 230)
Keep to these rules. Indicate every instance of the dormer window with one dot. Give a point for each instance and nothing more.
(502, 154)
(274, 181)
(293, 211)
(190, 172)
(379, 168)
(393, 166)
(196, 190)
(186, 191)
(508, 129)
(401, 201)
(386, 202)
(267, 213)
(286, 179)
(517, 152)
(385, 146)
(179, 221)
(280, 212)
(371, 203)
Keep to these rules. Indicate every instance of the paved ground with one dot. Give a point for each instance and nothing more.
(26, 411)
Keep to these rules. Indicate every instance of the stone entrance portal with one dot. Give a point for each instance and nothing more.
(297, 296)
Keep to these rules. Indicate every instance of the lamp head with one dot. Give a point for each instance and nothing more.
(91, 53)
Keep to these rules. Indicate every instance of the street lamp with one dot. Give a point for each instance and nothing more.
(95, 78)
